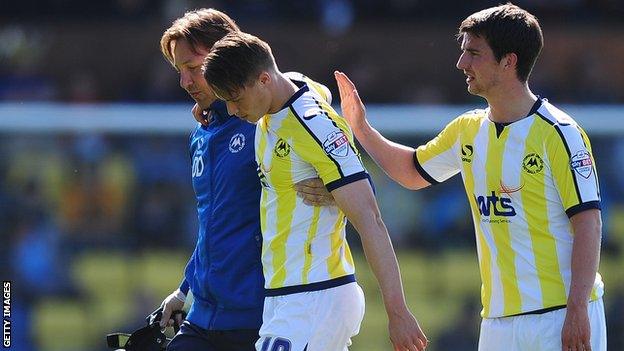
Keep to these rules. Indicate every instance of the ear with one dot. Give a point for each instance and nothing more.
(264, 78)
(510, 61)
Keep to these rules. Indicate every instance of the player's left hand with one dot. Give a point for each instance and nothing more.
(405, 333)
(576, 331)
(200, 115)
(314, 193)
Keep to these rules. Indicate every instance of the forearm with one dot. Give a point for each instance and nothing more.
(585, 257)
(395, 159)
(358, 203)
(382, 260)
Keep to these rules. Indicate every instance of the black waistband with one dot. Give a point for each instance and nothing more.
(542, 311)
(326, 284)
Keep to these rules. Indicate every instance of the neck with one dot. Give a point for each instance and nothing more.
(511, 104)
(282, 91)
(205, 104)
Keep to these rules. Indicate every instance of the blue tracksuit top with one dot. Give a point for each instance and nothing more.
(225, 272)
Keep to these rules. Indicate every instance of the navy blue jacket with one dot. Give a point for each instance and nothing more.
(225, 272)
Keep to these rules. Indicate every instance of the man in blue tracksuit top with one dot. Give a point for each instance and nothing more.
(225, 272)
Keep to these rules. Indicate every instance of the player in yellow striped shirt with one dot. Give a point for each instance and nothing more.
(313, 302)
(530, 178)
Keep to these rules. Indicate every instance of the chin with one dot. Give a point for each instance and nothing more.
(252, 120)
(474, 90)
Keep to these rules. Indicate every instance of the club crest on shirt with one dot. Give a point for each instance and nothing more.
(582, 164)
(337, 144)
(532, 163)
(281, 149)
(237, 143)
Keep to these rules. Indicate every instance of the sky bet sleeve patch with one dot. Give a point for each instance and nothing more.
(581, 163)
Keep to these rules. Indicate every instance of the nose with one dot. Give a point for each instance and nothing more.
(231, 108)
(462, 62)
(185, 80)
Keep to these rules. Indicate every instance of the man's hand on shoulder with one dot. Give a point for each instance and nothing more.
(353, 109)
(200, 115)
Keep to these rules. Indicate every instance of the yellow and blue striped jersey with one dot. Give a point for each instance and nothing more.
(523, 181)
(304, 246)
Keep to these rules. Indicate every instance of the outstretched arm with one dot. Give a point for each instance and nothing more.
(395, 159)
(357, 201)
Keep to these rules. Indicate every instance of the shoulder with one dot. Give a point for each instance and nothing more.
(315, 87)
(196, 132)
(473, 115)
(561, 124)
(468, 118)
(308, 106)
(554, 116)
(563, 129)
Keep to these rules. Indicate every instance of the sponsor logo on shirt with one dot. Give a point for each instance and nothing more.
(282, 149)
(466, 153)
(237, 143)
(198, 161)
(495, 205)
(506, 189)
(532, 163)
(581, 163)
(337, 144)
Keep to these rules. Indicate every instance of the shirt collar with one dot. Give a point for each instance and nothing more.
(218, 112)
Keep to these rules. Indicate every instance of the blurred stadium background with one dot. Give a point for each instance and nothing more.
(97, 216)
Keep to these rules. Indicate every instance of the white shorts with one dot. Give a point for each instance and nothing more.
(323, 320)
(539, 332)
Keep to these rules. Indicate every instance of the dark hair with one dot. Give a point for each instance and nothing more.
(508, 29)
(201, 27)
(235, 61)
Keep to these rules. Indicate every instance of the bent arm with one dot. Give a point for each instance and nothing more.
(395, 159)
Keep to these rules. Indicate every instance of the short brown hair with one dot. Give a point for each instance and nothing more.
(235, 61)
(508, 29)
(201, 27)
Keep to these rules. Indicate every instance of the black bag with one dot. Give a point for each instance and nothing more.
(148, 338)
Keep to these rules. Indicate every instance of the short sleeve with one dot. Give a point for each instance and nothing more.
(573, 168)
(437, 160)
(323, 139)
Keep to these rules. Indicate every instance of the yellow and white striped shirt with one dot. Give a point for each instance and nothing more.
(523, 181)
(304, 247)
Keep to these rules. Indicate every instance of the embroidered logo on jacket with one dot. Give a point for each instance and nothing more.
(237, 143)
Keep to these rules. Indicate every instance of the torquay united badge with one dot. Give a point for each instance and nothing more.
(532, 163)
(282, 149)
(237, 143)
